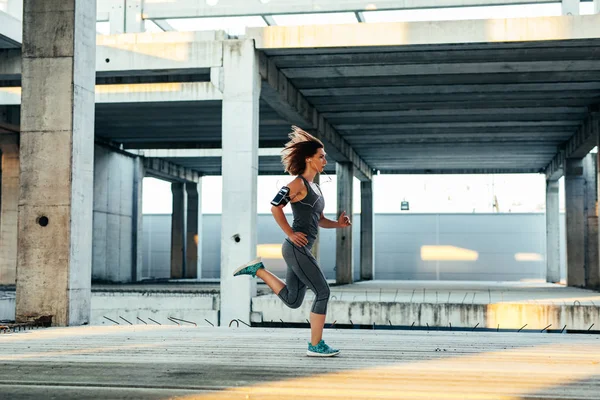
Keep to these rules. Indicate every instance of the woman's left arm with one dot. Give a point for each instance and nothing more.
(342, 222)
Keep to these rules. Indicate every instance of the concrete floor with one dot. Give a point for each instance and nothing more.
(402, 291)
(532, 290)
(154, 362)
(466, 292)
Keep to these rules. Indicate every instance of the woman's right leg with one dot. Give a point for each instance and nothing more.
(305, 266)
(291, 292)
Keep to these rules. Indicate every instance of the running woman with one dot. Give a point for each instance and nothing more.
(303, 156)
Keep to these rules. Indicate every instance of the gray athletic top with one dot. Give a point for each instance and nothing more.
(307, 213)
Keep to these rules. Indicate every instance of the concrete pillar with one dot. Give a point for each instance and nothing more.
(240, 117)
(117, 16)
(592, 263)
(191, 251)
(570, 7)
(366, 231)
(315, 250)
(114, 238)
(199, 238)
(178, 221)
(552, 232)
(344, 271)
(133, 16)
(9, 200)
(137, 220)
(575, 222)
(57, 161)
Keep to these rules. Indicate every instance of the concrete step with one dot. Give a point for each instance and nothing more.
(139, 308)
(509, 315)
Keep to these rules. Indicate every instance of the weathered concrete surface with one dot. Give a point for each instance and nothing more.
(231, 363)
(236, 8)
(140, 306)
(344, 260)
(366, 231)
(575, 222)
(112, 252)
(240, 132)
(552, 232)
(9, 193)
(444, 304)
(193, 244)
(430, 32)
(56, 158)
(177, 230)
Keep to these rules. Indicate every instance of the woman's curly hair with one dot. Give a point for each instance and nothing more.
(302, 145)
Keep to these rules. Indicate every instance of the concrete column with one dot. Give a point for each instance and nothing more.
(114, 238)
(575, 222)
(57, 161)
(199, 238)
(344, 271)
(240, 118)
(178, 221)
(9, 200)
(592, 263)
(137, 220)
(570, 7)
(366, 231)
(133, 16)
(552, 232)
(117, 16)
(191, 251)
(316, 248)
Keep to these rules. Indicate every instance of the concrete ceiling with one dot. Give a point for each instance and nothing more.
(186, 125)
(416, 108)
(267, 165)
(503, 107)
(463, 108)
(177, 125)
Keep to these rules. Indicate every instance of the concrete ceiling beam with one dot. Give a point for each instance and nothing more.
(363, 71)
(398, 55)
(138, 93)
(439, 171)
(452, 89)
(427, 33)
(169, 171)
(579, 144)
(238, 8)
(284, 98)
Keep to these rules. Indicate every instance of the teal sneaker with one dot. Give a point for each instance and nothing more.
(249, 268)
(321, 350)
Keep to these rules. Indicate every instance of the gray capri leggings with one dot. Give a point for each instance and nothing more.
(303, 272)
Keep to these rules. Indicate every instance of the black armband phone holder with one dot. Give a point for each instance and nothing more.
(282, 197)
